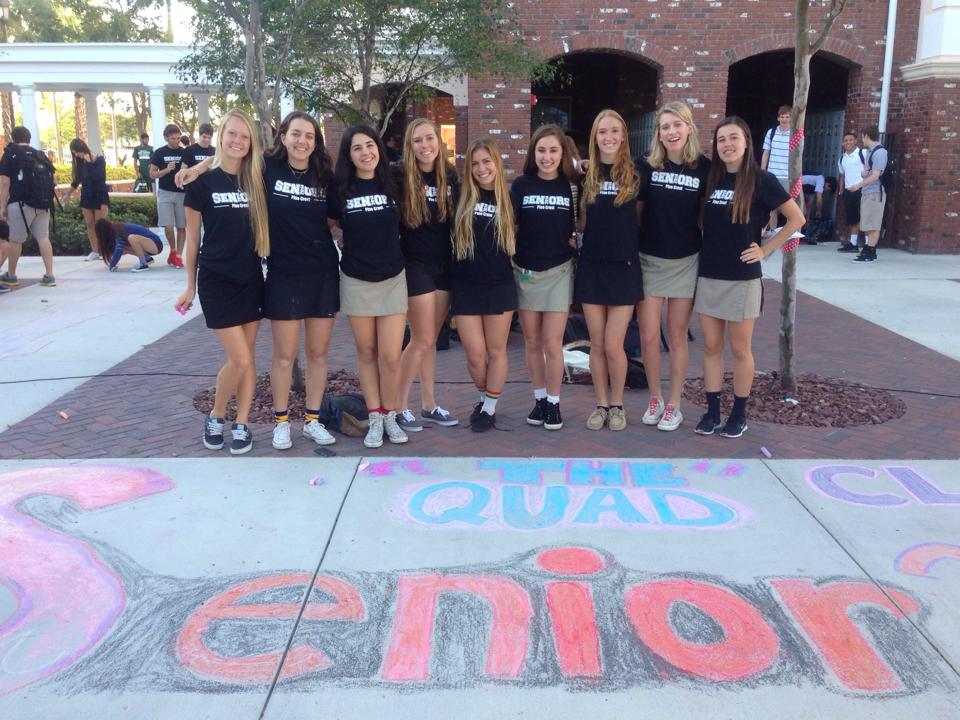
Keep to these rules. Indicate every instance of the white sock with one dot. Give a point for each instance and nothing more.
(483, 396)
(553, 399)
(489, 405)
(853, 240)
(539, 393)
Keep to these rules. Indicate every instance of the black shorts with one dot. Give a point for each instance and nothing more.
(851, 207)
(423, 278)
(599, 282)
(227, 303)
(94, 201)
(295, 297)
(483, 299)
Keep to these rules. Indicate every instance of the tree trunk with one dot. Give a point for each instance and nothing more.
(255, 81)
(6, 109)
(140, 110)
(80, 114)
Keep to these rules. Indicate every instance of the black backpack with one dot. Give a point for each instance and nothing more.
(33, 179)
(887, 177)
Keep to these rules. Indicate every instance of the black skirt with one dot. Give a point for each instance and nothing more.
(296, 297)
(483, 299)
(423, 278)
(227, 303)
(598, 282)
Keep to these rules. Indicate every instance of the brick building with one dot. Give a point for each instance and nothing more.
(736, 56)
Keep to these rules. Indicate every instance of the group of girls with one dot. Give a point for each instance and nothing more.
(417, 242)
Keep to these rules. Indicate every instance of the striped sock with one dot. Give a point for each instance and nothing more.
(310, 415)
(490, 402)
(280, 416)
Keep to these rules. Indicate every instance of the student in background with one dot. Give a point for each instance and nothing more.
(231, 204)
(141, 155)
(115, 239)
(850, 167)
(164, 165)
(90, 175)
(202, 149)
(543, 205)
(484, 295)
(739, 199)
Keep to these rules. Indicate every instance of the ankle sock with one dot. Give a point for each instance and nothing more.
(553, 399)
(310, 415)
(374, 410)
(853, 240)
(490, 402)
(713, 405)
(280, 416)
(483, 393)
(539, 393)
(739, 407)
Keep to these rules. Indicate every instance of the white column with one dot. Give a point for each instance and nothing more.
(158, 115)
(93, 120)
(203, 107)
(286, 105)
(28, 106)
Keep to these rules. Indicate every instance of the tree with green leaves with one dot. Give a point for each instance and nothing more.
(83, 21)
(335, 54)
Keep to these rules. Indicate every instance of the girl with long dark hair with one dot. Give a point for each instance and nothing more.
(430, 188)
(114, 240)
(230, 202)
(373, 287)
(543, 205)
(739, 199)
(90, 175)
(484, 295)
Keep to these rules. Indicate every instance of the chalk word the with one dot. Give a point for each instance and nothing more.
(827, 480)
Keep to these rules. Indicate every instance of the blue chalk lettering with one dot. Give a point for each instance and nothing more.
(524, 472)
(720, 514)
(822, 478)
(620, 504)
(517, 515)
(925, 491)
(469, 513)
(584, 472)
(647, 474)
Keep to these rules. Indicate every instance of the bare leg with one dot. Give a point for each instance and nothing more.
(618, 318)
(648, 317)
(531, 323)
(421, 312)
(389, 344)
(596, 317)
(286, 345)
(365, 339)
(552, 329)
(317, 345)
(238, 375)
(428, 367)
(679, 311)
(470, 329)
(712, 329)
(496, 333)
(741, 337)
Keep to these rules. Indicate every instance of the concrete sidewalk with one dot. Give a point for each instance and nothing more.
(539, 588)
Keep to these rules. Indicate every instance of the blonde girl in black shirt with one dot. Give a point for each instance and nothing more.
(484, 295)
(231, 204)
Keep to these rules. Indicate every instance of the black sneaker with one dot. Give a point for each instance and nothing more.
(213, 433)
(847, 248)
(552, 420)
(708, 425)
(483, 422)
(735, 427)
(868, 254)
(538, 413)
(476, 413)
(242, 439)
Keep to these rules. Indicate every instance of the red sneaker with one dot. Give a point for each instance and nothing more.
(172, 259)
(178, 262)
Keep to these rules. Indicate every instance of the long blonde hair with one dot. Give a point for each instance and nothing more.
(463, 239)
(249, 180)
(691, 149)
(414, 208)
(624, 173)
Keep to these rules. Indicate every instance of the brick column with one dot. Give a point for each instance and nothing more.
(502, 111)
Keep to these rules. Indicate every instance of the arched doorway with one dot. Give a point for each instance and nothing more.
(586, 83)
(758, 85)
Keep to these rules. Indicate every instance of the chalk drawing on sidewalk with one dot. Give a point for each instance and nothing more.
(66, 598)
(528, 495)
(918, 560)
(864, 486)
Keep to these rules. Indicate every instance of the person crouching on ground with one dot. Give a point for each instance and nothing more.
(230, 202)
(114, 240)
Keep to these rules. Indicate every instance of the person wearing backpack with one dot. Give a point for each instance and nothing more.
(873, 191)
(26, 200)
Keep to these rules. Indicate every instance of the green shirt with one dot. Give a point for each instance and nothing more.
(142, 153)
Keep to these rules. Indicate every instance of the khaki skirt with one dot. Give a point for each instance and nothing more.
(732, 300)
(361, 298)
(669, 277)
(545, 290)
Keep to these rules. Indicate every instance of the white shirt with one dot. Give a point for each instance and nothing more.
(778, 144)
(850, 167)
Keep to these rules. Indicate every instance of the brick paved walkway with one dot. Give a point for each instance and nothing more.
(153, 415)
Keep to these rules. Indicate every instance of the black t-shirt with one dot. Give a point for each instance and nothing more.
(160, 158)
(370, 221)
(723, 241)
(430, 243)
(489, 265)
(227, 247)
(610, 233)
(9, 166)
(671, 211)
(300, 240)
(194, 154)
(544, 213)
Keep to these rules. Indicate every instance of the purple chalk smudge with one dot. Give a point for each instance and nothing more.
(766, 453)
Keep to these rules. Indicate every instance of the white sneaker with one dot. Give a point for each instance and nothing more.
(374, 438)
(654, 411)
(318, 433)
(281, 436)
(394, 433)
(92, 256)
(672, 417)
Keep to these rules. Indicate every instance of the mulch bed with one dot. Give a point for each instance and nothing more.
(339, 382)
(820, 401)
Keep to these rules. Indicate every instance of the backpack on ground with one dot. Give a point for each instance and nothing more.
(347, 414)
(887, 177)
(33, 179)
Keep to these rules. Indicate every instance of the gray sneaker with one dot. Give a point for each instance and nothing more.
(48, 281)
(439, 416)
(408, 421)
(9, 280)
